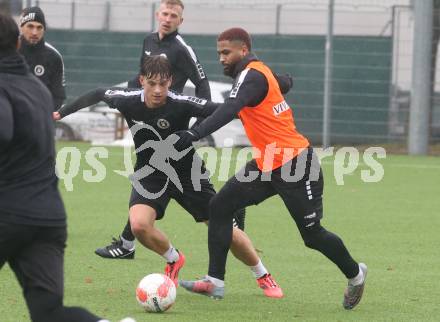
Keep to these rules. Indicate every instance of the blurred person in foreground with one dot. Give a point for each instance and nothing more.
(32, 217)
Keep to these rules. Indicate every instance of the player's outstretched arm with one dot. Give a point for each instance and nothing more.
(81, 102)
(203, 111)
(249, 92)
(222, 114)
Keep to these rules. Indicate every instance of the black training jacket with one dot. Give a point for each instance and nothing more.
(156, 124)
(184, 62)
(46, 63)
(28, 184)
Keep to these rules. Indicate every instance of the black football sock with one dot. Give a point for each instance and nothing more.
(126, 233)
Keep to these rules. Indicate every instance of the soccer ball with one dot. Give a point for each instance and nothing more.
(156, 293)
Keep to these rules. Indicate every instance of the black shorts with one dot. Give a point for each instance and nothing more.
(301, 192)
(156, 194)
(35, 254)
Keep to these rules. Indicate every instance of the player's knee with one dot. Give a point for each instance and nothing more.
(310, 242)
(221, 204)
(311, 235)
(215, 206)
(214, 201)
(140, 227)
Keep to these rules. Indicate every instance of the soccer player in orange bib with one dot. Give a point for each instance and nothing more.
(283, 164)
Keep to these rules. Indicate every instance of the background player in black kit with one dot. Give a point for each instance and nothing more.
(153, 114)
(32, 216)
(44, 60)
(166, 41)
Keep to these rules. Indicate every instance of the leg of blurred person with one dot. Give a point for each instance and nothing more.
(32, 216)
(36, 255)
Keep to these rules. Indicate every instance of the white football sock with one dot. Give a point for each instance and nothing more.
(358, 279)
(127, 244)
(171, 255)
(259, 270)
(215, 281)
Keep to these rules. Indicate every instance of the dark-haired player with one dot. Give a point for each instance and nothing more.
(284, 164)
(166, 41)
(163, 173)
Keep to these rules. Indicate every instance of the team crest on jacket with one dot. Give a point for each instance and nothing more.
(39, 70)
(163, 124)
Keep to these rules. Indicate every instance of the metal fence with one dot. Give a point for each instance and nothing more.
(372, 56)
(359, 17)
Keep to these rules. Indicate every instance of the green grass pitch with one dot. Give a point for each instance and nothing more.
(391, 225)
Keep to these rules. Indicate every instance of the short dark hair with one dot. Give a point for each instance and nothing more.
(236, 34)
(8, 33)
(156, 65)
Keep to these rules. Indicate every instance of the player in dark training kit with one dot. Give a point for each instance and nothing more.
(44, 60)
(166, 41)
(163, 173)
(32, 217)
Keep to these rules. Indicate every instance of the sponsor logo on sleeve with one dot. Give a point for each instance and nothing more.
(240, 80)
(197, 100)
(234, 91)
(200, 70)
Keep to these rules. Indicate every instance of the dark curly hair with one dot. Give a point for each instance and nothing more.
(236, 34)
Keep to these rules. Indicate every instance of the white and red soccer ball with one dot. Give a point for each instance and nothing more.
(156, 293)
